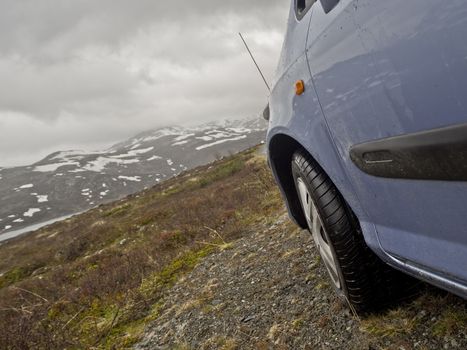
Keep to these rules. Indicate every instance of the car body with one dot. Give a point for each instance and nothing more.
(384, 114)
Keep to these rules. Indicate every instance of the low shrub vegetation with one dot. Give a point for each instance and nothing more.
(95, 280)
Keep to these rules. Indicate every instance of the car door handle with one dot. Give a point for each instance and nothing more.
(328, 5)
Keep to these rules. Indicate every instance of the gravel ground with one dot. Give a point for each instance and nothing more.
(270, 291)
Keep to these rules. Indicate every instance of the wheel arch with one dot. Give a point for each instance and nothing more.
(281, 149)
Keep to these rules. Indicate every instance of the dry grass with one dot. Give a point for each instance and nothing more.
(95, 280)
(434, 313)
(395, 323)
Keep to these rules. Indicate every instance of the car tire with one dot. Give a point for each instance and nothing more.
(358, 275)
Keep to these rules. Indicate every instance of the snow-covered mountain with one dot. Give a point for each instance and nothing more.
(69, 182)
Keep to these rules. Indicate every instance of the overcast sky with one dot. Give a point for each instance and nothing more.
(85, 73)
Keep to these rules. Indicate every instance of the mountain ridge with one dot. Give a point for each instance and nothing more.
(72, 181)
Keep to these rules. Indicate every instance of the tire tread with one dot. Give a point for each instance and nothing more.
(369, 283)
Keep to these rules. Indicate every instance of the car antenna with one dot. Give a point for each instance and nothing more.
(254, 61)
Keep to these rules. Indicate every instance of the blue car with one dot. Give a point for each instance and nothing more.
(368, 141)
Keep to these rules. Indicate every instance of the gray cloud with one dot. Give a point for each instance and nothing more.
(88, 73)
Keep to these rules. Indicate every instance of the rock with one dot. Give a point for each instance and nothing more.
(247, 319)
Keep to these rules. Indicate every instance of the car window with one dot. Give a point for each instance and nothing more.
(302, 7)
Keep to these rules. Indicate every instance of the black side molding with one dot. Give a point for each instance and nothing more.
(267, 113)
(439, 154)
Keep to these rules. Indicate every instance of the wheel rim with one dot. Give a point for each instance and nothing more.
(318, 232)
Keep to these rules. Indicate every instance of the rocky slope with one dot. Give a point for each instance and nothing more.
(270, 291)
(73, 181)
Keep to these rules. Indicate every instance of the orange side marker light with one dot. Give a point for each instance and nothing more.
(299, 87)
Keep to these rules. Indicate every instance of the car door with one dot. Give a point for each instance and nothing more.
(394, 68)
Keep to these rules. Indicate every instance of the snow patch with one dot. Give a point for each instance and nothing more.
(241, 130)
(100, 163)
(220, 142)
(134, 153)
(86, 192)
(26, 186)
(130, 178)
(219, 134)
(42, 198)
(162, 133)
(179, 143)
(153, 158)
(74, 154)
(48, 168)
(183, 137)
(30, 213)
